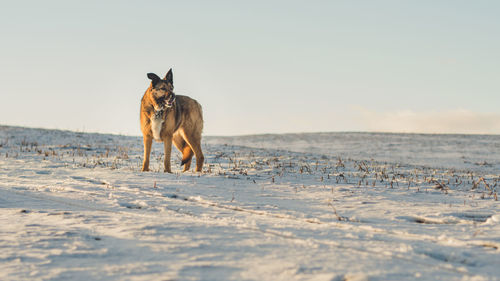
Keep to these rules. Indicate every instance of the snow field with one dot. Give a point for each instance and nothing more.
(75, 206)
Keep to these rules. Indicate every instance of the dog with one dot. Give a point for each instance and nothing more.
(167, 117)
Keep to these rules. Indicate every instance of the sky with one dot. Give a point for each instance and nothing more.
(255, 66)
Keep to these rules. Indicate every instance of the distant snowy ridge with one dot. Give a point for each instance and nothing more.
(473, 152)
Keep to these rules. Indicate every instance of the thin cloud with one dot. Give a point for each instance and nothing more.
(457, 121)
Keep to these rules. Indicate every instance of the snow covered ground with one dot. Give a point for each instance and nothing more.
(336, 206)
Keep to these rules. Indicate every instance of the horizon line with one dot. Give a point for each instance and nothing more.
(260, 133)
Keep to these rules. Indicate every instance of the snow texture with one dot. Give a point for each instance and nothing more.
(329, 206)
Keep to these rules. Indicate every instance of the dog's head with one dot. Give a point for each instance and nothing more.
(162, 90)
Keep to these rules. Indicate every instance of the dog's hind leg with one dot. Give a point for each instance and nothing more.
(195, 145)
(187, 152)
(147, 151)
(187, 156)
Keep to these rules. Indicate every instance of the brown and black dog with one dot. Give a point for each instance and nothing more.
(167, 117)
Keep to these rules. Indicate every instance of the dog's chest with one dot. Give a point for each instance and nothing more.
(156, 124)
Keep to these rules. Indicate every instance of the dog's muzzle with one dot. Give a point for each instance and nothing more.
(165, 102)
(171, 100)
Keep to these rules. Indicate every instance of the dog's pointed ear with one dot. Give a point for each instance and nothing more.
(154, 78)
(169, 77)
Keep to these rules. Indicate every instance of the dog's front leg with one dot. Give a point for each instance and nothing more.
(167, 142)
(147, 151)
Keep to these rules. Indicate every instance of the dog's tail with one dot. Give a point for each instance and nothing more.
(187, 154)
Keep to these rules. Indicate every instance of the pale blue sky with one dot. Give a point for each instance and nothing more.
(255, 66)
